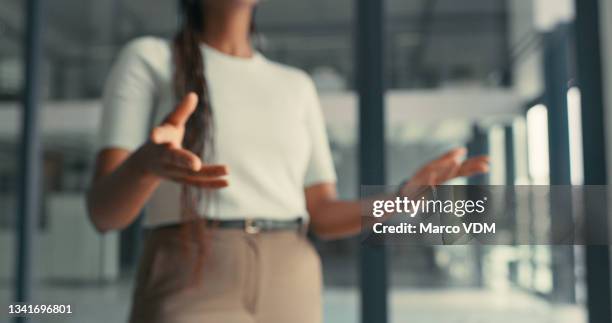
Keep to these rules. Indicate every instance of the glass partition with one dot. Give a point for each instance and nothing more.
(447, 52)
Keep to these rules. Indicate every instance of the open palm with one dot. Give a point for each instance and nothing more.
(168, 158)
(445, 168)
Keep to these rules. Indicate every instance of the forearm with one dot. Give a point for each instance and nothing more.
(336, 219)
(116, 199)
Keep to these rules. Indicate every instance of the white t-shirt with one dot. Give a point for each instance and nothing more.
(268, 122)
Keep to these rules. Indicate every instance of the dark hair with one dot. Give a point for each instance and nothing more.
(190, 77)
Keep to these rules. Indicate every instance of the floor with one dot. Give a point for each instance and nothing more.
(109, 303)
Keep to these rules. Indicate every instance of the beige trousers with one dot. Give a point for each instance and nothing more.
(271, 277)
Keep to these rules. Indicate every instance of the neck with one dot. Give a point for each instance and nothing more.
(228, 29)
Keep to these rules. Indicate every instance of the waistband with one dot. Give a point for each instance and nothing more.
(254, 226)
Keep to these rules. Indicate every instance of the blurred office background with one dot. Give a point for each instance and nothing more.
(488, 74)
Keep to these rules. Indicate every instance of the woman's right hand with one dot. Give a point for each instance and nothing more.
(165, 157)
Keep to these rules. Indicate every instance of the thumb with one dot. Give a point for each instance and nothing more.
(183, 111)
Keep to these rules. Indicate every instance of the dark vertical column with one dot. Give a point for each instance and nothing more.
(556, 78)
(507, 75)
(30, 164)
(369, 68)
(510, 179)
(509, 155)
(479, 145)
(590, 81)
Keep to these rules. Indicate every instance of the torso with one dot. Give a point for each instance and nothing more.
(260, 134)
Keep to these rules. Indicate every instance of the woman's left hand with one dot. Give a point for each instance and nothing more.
(445, 168)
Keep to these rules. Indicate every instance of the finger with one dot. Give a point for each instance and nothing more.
(210, 184)
(456, 153)
(447, 166)
(450, 173)
(164, 134)
(213, 170)
(474, 166)
(473, 170)
(449, 159)
(203, 171)
(183, 111)
(477, 160)
(170, 170)
(203, 183)
(182, 158)
(455, 168)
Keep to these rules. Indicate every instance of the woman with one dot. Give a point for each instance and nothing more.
(245, 149)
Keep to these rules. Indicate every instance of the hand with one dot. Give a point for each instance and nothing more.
(447, 167)
(165, 156)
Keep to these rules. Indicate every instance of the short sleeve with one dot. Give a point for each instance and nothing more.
(321, 165)
(128, 99)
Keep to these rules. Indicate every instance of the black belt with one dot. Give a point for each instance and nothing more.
(253, 226)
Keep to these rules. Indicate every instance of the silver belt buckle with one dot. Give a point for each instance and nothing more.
(251, 227)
